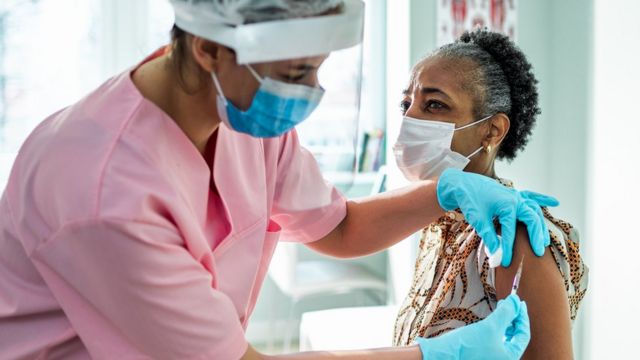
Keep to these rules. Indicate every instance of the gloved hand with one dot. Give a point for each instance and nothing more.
(502, 335)
(481, 199)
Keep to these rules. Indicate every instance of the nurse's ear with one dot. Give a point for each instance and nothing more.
(499, 125)
(210, 55)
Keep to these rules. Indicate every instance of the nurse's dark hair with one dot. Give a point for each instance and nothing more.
(178, 35)
(503, 82)
(179, 57)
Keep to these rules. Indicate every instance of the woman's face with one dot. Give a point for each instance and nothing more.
(240, 85)
(439, 91)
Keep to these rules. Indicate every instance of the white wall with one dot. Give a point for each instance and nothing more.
(614, 182)
(398, 64)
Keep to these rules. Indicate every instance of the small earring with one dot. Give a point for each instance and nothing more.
(488, 149)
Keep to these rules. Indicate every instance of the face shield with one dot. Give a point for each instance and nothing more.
(303, 72)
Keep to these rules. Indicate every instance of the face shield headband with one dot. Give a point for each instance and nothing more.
(277, 40)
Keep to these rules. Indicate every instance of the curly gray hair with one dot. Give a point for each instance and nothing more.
(503, 81)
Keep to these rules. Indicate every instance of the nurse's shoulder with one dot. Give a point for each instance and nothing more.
(61, 171)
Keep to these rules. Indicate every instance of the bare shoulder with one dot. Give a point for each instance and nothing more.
(542, 288)
(534, 268)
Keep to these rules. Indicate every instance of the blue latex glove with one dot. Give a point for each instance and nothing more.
(482, 199)
(503, 335)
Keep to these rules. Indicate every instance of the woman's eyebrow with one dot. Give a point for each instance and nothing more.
(426, 91)
(302, 67)
(432, 90)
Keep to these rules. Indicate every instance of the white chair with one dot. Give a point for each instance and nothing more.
(353, 328)
(362, 327)
(300, 280)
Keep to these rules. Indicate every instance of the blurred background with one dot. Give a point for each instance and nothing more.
(584, 149)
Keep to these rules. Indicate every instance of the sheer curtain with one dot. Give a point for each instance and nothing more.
(52, 52)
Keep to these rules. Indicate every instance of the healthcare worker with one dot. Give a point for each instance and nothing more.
(139, 222)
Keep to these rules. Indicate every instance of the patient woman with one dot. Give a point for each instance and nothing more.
(483, 86)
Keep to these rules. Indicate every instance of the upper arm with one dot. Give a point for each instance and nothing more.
(543, 289)
(252, 354)
(306, 206)
(333, 243)
(132, 289)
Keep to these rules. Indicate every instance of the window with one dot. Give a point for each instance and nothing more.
(53, 52)
(48, 59)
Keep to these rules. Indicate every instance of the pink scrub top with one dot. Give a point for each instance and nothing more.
(112, 244)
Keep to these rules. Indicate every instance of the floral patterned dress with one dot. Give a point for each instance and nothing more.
(453, 285)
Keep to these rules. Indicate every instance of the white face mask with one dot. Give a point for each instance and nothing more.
(423, 149)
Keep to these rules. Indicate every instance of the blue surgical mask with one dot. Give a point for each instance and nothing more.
(276, 108)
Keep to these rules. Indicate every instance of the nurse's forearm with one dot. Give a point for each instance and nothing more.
(377, 222)
(392, 353)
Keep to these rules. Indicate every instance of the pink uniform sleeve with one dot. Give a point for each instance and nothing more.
(132, 290)
(305, 205)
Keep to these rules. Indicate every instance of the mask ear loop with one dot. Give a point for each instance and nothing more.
(474, 123)
(216, 83)
(254, 73)
(475, 153)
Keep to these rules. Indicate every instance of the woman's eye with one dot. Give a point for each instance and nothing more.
(294, 78)
(404, 106)
(433, 105)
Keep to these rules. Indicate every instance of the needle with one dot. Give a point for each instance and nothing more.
(516, 279)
